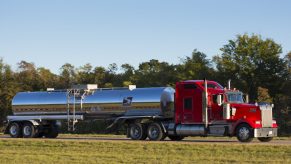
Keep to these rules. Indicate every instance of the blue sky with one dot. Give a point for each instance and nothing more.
(51, 33)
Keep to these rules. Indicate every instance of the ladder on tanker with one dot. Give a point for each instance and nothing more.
(75, 97)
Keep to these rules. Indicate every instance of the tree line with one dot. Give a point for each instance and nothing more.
(255, 65)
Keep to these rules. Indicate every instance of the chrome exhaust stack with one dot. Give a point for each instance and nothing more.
(205, 105)
(228, 84)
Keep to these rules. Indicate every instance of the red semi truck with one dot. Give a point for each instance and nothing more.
(194, 108)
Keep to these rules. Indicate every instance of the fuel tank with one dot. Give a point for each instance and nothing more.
(102, 103)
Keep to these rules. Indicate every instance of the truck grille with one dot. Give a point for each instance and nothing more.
(266, 114)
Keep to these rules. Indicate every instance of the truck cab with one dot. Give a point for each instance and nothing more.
(222, 112)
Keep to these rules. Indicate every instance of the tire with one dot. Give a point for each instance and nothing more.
(176, 138)
(52, 132)
(137, 131)
(155, 132)
(244, 133)
(29, 131)
(265, 139)
(15, 130)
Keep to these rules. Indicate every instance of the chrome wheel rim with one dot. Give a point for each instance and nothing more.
(135, 132)
(154, 132)
(27, 130)
(244, 133)
(13, 130)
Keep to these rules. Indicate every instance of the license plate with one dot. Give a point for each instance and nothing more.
(270, 132)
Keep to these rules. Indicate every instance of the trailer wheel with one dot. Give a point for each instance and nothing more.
(244, 133)
(15, 130)
(176, 138)
(137, 131)
(28, 130)
(52, 132)
(265, 139)
(155, 132)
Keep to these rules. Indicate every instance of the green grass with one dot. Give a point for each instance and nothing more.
(100, 151)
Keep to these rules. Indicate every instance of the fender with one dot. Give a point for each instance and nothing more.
(33, 122)
(235, 124)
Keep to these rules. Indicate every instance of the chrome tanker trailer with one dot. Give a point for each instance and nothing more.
(36, 114)
(193, 108)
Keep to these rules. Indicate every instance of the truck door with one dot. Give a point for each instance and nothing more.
(191, 99)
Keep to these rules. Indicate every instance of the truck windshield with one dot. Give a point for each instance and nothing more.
(235, 97)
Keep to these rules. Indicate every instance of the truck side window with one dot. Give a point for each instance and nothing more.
(214, 99)
(190, 86)
(188, 103)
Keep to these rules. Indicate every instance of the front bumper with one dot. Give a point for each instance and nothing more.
(265, 132)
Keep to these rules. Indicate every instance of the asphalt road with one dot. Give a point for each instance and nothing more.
(188, 140)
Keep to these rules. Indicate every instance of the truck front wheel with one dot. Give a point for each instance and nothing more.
(244, 133)
(155, 132)
(137, 131)
(15, 130)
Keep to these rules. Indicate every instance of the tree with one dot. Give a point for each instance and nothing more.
(47, 78)
(263, 95)
(8, 88)
(251, 62)
(27, 76)
(85, 75)
(155, 73)
(195, 67)
(287, 59)
(99, 76)
(67, 76)
(127, 75)
(112, 78)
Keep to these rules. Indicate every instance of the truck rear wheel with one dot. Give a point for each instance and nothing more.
(137, 131)
(28, 130)
(155, 132)
(244, 133)
(15, 130)
(265, 139)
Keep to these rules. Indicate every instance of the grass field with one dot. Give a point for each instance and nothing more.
(124, 151)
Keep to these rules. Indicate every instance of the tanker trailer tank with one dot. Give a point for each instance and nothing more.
(102, 104)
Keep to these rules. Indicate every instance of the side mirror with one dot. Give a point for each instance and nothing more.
(219, 100)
